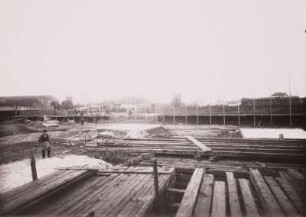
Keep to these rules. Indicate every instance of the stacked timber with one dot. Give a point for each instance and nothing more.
(29, 195)
(124, 191)
(254, 149)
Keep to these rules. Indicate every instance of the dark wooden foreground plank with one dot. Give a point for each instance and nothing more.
(139, 205)
(29, 199)
(292, 194)
(269, 203)
(113, 202)
(190, 197)
(33, 185)
(205, 196)
(120, 202)
(203, 147)
(218, 208)
(57, 202)
(297, 180)
(235, 208)
(248, 199)
(72, 204)
(100, 197)
(281, 197)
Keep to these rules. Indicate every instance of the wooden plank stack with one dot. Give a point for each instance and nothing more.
(32, 193)
(250, 149)
(126, 192)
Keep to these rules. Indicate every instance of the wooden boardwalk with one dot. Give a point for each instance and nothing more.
(124, 192)
(258, 194)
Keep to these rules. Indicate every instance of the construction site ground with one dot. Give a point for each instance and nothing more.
(17, 140)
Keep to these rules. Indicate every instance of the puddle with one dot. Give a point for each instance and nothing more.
(256, 133)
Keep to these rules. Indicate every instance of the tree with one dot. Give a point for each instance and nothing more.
(55, 104)
(177, 101)
(67, 103)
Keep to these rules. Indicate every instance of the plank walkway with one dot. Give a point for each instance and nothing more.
(258, 195)
(126, 192)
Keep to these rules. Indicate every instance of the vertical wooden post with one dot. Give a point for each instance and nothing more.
(209, 114)
(223, 115)
(238, 108)
(155, 173)
(254, 112)
(271, 116)
(33, 166)
(186, 120)
(174, 114)
(163, 114)
(156, 116)
(145, 114)
(16, 111)
(290, 109)
(197, 114)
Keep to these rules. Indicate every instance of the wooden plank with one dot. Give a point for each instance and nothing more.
(115, 203)
(121, 205)
(248, 199)
(143, 170)
(235, 209)
(23, 200)
(190, 197)
(203, 147)
(175, 190)
(281, 197)
(218, 208)
(268, 201)
(79, 191)
(174, 205)
(143, 200)
(98, 199)
(81, 199)
(296, 174)
(30, 186)
(292, 194)
(205, 196)
(298, 180)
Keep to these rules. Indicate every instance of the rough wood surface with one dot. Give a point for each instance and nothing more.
(268, 201)
(203, 147)
(205, 196)
(281, 197)
(218, 208)
(190, 197)
(292, 194)
(248, 199)
(235, 209)
(23, 200)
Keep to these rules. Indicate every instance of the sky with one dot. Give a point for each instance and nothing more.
(205, 50)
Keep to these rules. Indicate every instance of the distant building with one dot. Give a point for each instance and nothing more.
(11, 103)
(274, 100)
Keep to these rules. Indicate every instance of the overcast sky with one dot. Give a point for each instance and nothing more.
(201, 49)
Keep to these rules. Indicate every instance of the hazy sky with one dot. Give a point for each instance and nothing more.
(201, 49)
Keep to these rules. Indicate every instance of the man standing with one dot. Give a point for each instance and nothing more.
(44, 141)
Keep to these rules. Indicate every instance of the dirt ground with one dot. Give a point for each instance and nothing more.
(17, 140)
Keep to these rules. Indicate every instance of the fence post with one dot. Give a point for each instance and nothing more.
(33, 166)
(155, 173)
